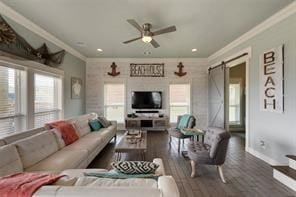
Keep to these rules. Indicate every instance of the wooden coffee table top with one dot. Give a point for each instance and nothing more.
(124, 146)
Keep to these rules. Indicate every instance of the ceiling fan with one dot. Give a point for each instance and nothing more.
(146, 34)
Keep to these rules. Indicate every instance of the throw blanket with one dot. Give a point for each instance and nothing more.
(68, 132)
(184, 121)
(25, 184)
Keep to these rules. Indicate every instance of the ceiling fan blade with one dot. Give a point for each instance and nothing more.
(154, 43)
(131, 40)
(165, 30)
(135, 24)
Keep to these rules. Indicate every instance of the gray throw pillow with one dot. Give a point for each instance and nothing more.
(104, 122)
(135, 167)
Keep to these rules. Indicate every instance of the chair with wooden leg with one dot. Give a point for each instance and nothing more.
(176, 132)
(211, 152)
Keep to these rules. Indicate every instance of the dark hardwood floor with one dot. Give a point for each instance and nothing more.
(245, 174)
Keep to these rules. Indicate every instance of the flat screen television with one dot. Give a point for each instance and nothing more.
(147, 100)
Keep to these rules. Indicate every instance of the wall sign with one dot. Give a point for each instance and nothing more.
(271, 80)
(147, 70)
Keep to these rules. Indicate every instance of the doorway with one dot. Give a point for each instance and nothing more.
(237, 101)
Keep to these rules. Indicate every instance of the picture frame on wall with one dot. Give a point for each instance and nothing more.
(76, 87)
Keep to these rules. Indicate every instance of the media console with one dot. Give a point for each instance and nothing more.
(147, 123)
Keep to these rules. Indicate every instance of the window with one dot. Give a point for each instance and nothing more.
(114, 102)
(234, 103)
(11, 113)
(179, 100)
(47, 99)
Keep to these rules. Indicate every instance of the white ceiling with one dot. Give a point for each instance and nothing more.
(207, 25)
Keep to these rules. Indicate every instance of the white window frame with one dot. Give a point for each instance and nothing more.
(190, 99)
(58, 90)
(26, 103)
(116, 105)
(237, 81)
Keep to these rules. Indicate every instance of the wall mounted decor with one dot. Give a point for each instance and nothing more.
(147, 70)
(12, 43)
(113, 71)
(180, 72)
(271, 80)
(76, 86)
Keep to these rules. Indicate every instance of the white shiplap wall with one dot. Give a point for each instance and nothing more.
(96, 76)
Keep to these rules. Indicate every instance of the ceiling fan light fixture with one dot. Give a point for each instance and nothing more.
(146, 39)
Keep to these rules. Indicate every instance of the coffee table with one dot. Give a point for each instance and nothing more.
(124, 146)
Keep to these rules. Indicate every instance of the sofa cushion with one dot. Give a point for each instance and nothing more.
(104, 134)
(61, 160)
(21, 135)
(59, 138)
(37, 147)
(106, 182)
(89, 144)
(82, 127)
(10, 161)
(105, 123)
(2, 143)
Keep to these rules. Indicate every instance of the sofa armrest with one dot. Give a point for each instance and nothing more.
(168, 186)
(160, 170)
(78, 191)
(114, 122)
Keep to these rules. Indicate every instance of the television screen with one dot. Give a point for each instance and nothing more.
(146, 100)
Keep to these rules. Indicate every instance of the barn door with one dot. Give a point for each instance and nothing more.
(217, 102)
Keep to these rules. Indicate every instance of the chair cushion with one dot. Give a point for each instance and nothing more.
(10, 161)
(61, 160)
(199, 152)
(177, 133)
(37, 147)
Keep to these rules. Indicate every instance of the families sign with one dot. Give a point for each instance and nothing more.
(271, 80)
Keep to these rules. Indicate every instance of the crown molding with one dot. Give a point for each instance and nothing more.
(20, 19)
(202, 61)
(271, 21)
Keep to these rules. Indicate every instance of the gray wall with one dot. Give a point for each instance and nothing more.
(72, 66)
(277, 130)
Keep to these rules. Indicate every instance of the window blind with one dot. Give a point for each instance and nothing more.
(47, 100)
(179, 100)
(10, 114)
(114, 102)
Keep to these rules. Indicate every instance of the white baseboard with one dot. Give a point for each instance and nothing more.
(284, 179)
(262, 157)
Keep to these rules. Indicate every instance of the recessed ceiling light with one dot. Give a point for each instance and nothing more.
(100, 50)
(194, 50)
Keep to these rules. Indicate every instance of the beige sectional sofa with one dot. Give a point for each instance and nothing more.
(43, 150)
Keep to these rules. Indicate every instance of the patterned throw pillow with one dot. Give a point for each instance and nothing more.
(104, 122)
(135, 167)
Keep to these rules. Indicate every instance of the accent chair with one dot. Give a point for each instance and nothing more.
(176, 132)
(211, 152)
